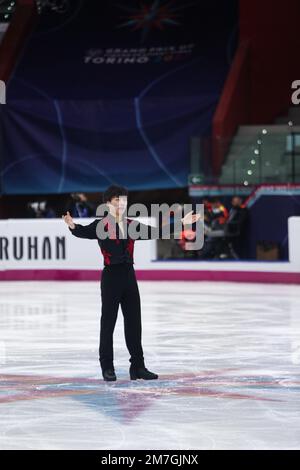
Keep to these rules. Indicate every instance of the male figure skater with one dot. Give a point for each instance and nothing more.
(118, 282)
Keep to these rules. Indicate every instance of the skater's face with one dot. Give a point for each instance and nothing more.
(118, 204)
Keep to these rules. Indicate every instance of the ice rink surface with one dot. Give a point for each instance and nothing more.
(227, 355)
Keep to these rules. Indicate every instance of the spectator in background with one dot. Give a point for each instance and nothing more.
(236, 227)
(215, 219)
(186, 242)
(223, 230)
(39, 210)
(218, 215)
(48, 212)
(79, 206)
(30, 212)
(238, 213)
(207, 211)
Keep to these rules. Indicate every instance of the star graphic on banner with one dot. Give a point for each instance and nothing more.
(150, 16)
(124, 400)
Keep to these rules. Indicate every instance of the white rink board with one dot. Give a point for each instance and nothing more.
(294, 240)
(85, 254)
(79, 253)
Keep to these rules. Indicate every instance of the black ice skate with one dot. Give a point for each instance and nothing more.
(141, 373)
(109, 375)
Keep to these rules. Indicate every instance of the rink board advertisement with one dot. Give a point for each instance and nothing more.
(48, 244)
(46, 249)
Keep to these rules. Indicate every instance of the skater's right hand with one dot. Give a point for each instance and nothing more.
(69, 221)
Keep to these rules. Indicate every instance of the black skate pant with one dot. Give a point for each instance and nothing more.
(119, 287)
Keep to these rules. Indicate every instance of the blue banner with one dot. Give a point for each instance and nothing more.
(111, 92)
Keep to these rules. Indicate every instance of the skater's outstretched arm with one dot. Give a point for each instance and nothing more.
(81, 231)
(186, 222)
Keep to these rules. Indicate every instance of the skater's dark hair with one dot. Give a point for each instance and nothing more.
(114, 191)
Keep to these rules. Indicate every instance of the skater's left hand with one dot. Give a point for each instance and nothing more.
(190, 218)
